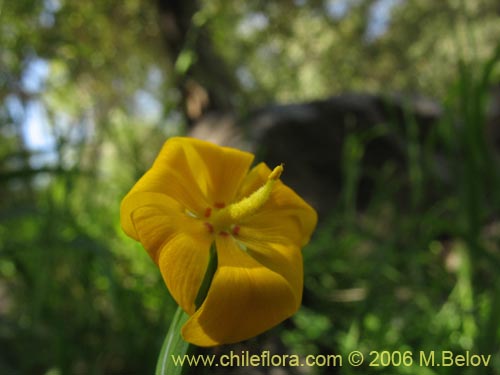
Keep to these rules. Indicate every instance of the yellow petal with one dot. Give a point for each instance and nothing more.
(244, 299)
(254, 180)
(195, 173)
(276, 252)
(220, 170)
(155, 218)
(170, 175)
(178, 243)
(160, 205)
(183, 262)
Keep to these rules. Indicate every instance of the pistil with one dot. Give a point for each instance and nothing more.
(246, 207)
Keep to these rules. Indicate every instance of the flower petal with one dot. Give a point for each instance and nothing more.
(170, 175)
(195, 173)
(183, 263)
(220, 170)
(178, 244)
(254, 180)
(277, 253)
(160, 205)
(244, 299)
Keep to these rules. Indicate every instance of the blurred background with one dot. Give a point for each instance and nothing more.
(386, 114)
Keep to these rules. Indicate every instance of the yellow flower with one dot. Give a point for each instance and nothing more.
(197, 194)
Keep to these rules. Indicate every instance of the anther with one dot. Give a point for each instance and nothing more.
(208, 212)
(210, 227)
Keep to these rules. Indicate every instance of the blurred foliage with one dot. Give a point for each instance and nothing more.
(88, 95)
(423, 279)
(300, 50)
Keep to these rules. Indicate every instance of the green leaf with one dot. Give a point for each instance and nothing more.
(173, 346)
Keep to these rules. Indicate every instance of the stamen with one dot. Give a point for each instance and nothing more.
(209, 226)
(236, 230)
(219, 205)
(208, 212)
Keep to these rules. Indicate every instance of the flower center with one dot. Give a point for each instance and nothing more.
(224, 219)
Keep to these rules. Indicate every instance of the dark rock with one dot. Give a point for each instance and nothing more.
(310, 139)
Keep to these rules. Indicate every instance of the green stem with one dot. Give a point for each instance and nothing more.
(174, 345)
